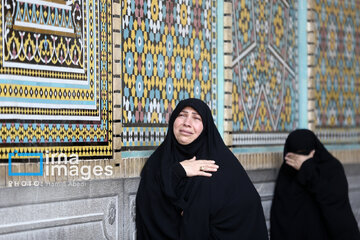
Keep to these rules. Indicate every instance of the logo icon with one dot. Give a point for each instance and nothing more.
(32, 155)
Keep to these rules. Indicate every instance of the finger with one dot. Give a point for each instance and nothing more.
(205, 174)
(211, 165)
(290, 162)
(293, 164)
(207, 165)
(209, 169)
(205, 161)
(291, 156)
(193, 158)
(312, 153)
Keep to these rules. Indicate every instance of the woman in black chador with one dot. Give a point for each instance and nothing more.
(192, 187)
(311, 195)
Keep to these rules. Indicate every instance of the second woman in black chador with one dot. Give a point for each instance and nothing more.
(311, 195)
(173, 203)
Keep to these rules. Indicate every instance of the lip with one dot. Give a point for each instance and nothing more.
(184, 132)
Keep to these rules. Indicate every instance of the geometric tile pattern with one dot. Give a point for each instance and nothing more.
(265, 78)
(168, 54)
(56, 77)
(336, 68)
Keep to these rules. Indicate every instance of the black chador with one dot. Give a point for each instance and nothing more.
(312, 203)
(170, 205)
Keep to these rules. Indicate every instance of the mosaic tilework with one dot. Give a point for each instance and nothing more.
(169, 54)
(265, 79)
(62, 50)
(336, 69)
(56, 77)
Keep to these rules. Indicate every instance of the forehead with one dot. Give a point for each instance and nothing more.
(189, 110)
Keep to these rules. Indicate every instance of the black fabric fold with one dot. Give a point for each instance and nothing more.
(170, 205)
(312, 203)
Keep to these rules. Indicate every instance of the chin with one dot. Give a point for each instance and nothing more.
(186, 142)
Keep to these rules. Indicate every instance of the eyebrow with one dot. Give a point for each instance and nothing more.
(194, 113)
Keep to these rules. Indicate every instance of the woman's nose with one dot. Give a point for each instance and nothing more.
(187, 121)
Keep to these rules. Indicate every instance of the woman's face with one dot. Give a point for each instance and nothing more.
(187, 126)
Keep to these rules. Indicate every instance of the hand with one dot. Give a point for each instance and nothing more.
(296, 160)
(195, 167)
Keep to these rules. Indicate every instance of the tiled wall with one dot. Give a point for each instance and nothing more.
(264, 89)
(56, 78)
(334, 69)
